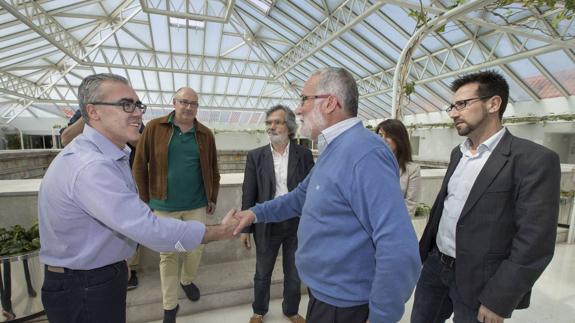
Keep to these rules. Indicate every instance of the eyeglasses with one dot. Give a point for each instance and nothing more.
(274, 122)
(462, 104)
(193, 104)
(311, 97)
(127, 106)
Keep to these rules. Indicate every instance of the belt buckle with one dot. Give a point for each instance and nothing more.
(446, 260)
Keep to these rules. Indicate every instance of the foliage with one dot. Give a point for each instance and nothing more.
(409, 88)
(506, 121)
(422, 210)
(13, 141)
(17, 240)
(566, 11)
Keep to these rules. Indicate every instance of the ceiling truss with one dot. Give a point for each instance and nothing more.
(250, 59)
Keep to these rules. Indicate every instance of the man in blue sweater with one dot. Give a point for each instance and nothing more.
(357, 250)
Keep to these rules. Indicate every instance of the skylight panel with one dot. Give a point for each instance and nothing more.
(179, 22)
(263, 5)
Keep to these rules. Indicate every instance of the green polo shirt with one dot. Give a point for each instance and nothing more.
(185, 184)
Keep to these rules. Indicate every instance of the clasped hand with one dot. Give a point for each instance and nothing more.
(231, 226)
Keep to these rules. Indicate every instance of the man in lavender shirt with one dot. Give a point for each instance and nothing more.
(91, 217)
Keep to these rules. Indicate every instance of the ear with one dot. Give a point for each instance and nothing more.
(331, 104)
(93, 113)
(494, 104)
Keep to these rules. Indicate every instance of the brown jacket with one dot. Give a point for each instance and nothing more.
(150, 167)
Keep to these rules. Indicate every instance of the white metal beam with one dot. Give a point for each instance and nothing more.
(347, 15)
(214, 11)
(53, 77)
(34, 16)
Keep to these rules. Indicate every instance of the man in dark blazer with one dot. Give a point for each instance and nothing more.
(492, 228)
(271, 171)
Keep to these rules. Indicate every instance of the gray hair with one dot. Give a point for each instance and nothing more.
(339, 82)
(89, 90)
(289, 118)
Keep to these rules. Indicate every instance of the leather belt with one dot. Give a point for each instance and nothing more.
(61, 270)
(54, 269)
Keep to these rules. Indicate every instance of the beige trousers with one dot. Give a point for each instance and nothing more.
(169, 260)
(134, 261)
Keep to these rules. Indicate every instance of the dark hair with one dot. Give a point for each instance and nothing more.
(289, 118)
(340, 83)
(490, 83)
(89, 90)
(396, 131)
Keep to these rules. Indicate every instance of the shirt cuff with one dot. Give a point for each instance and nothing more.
(192, 238)
(255, 209)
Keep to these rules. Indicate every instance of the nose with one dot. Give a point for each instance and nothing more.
(297, 110)
(453, 113)
(138, 112)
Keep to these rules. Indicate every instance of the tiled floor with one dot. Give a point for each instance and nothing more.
(553, 299)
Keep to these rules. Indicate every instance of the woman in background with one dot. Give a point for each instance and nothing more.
(394, 133)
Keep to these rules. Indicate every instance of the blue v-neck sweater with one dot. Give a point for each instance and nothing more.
(356, 243)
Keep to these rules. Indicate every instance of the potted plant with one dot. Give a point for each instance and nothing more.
(422, 210)
(16, 244)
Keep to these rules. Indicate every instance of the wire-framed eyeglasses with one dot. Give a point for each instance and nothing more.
(127, 106)
(462, 104)
(303, 98)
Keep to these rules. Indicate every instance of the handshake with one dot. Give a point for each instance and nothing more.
(230, 227)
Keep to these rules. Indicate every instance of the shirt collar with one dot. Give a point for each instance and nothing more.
(106, 146)
(275, 152)
(171, 121)
(487, 145)
(330, 133)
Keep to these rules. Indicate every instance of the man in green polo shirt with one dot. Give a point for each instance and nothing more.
(176, 171)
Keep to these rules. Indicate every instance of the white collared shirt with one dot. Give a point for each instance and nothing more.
(281, 170)
(330, 133)
(459, 187)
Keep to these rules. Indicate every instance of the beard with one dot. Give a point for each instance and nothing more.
(276, 139)
(315, 123)
(463, 130)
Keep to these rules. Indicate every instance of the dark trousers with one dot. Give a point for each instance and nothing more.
(436, 296)
(282, 234)
(320, 312)
(86, 296)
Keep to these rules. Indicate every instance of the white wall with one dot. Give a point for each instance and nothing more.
(240, 140)
(437, 143)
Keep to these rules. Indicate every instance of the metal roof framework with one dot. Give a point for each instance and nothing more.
(244, 56)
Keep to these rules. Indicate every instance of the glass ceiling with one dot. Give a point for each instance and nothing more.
(244, 56)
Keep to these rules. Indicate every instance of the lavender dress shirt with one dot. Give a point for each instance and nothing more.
(90, 214)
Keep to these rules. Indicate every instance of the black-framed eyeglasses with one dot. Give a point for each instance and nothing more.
(127, 106)
(193, 104)
(303, 98)
(274, 122)
(462, 104)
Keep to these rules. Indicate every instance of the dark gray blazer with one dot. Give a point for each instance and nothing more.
(260, 181)
(505, 236)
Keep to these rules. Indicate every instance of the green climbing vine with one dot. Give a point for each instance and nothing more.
(506, 121)
(506, 12)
